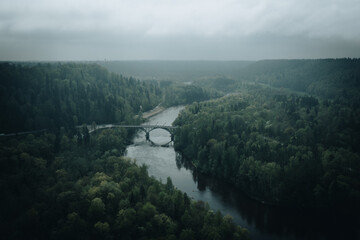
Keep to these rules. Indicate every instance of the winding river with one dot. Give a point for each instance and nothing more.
(263, 222)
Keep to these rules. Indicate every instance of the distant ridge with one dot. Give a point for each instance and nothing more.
(307, 75)
(175, 70)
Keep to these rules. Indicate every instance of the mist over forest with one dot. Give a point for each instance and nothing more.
(181, 119)
(284, 133)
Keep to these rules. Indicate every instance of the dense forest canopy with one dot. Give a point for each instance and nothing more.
(48, 95)
(329, 78)
(285, 132)
(183, 71)
(88, 190)
(68, 183)
(326, 78)
(278, 143)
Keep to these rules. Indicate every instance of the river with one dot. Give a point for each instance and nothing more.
(262, 221)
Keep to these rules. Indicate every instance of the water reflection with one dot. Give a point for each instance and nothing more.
(274, 222)
(262, 221)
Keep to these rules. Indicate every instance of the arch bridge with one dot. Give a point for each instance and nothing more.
(146, 128)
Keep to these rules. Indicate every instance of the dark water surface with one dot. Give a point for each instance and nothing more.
(262, 221)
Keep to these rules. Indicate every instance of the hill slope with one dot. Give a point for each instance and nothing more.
(44, 95)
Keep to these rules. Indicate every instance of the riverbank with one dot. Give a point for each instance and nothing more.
(263, 221)
(194, 167)
(158, 109)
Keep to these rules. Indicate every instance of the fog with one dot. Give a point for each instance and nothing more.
(178, 29)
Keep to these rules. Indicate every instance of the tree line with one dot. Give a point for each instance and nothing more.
(279, 146)
(325, 78)
(51, 95)
(88, 190)
(68, 183)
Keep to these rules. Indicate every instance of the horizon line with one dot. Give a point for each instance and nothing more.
(176, 60)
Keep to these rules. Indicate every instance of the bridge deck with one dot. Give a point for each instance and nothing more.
(132, 126)
(90, 127)
(146, 126)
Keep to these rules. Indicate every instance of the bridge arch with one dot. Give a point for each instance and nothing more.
(147, 131)
(146, 128)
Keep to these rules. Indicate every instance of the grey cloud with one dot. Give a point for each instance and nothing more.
(178, 29)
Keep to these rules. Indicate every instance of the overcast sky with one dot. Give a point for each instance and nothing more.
(178, 29)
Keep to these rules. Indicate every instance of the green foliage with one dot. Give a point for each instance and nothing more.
(328, 78)
(102, 227)
(277, 146)
(222, 84)
(72, 183)
(92, 192)
(48, 95)
(109, 139)
(96, 209)
(177, 71)
(181, 95)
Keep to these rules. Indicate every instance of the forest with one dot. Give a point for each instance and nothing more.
(284, 132)
(325, 78)
(180, 71)
(68, 183)
(37, 96)
(88, 190)
(288, 136)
